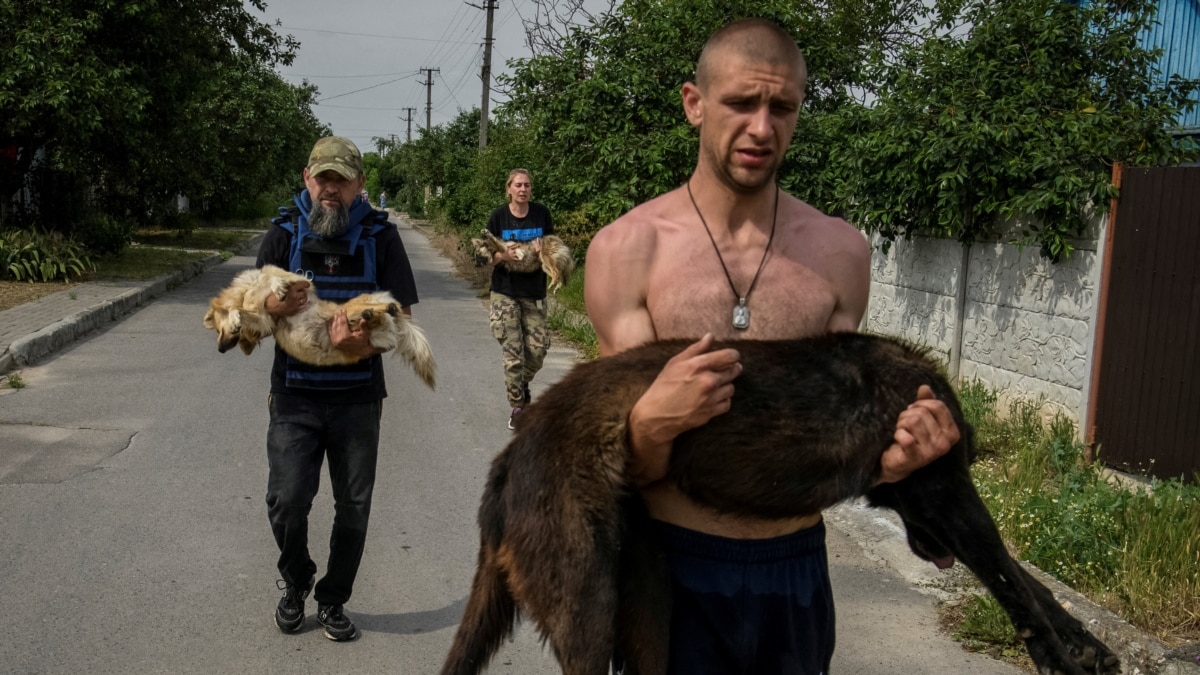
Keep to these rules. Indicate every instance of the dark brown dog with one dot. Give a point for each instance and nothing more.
(566, 540)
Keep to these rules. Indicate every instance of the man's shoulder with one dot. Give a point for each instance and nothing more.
(646, 219)
(815, 221)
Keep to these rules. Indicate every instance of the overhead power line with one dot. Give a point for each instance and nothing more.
(374, 86)
(373, 35)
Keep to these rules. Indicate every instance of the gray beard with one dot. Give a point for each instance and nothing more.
(326, 222)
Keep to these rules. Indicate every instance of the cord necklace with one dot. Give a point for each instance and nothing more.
(741, 311)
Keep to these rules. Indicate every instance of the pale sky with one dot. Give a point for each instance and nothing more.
(366, 57)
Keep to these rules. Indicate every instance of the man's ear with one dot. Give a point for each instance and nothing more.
(693, 103)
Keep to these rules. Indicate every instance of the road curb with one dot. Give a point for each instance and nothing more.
(880, 533)
(41, 344)
(30, 348)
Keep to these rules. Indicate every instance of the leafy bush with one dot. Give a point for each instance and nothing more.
(106, 235)
(31, 255)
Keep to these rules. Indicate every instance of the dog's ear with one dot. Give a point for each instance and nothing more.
(208, 319)
(248, 340)
(246, 346)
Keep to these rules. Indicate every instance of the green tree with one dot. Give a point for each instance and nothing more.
(604, 110)
(136, 102)
(1007, 111)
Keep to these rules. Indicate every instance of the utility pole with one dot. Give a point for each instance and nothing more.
(410, 111)
(429, 95)
(486, 75)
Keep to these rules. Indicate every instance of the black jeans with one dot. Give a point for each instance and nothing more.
(301, 434)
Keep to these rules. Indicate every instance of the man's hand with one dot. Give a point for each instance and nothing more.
(695, 386)
(293, 303)
(353, 342)
(924, 432)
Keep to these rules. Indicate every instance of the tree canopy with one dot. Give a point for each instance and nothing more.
(948, 118)
(1010, 111)
(133, 103)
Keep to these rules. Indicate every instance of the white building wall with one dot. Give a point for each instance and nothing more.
(1028, 324)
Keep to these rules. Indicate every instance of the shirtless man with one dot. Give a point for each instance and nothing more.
(749, 595)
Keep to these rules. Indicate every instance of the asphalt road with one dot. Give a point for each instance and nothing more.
(132, 475)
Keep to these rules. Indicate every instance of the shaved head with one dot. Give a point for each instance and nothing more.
(754, 40)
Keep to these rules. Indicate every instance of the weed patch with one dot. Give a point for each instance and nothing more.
(1134, 550)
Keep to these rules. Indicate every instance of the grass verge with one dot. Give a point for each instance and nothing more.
(1133, 549)
(158, 252)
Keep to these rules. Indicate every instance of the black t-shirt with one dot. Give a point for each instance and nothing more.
(535, 224)
(393, 274)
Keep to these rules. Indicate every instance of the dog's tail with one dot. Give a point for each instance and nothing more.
(489, 618)
(414, 347)
(557, 262)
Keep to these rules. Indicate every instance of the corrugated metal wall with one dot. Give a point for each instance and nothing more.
(1178, 33)
(1147, 414)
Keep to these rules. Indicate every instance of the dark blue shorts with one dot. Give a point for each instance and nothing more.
(749, 607)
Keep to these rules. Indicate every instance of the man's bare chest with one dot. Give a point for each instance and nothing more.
(692, 295)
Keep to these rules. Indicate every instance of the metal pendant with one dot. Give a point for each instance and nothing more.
(741, 315)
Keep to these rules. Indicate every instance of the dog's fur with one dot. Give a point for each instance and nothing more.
(555, 259)
(565, 540)
(240, 318)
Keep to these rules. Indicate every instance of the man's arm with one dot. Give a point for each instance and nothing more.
(395, 276)
(926, 429)
(694, 386)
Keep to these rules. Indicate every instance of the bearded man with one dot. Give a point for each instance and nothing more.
(333, 237)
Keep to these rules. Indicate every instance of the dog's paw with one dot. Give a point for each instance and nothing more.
(367, 314)
(393, 309)
(280, 287)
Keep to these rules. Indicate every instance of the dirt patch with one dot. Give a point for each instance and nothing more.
(451, 247)
(13, 293)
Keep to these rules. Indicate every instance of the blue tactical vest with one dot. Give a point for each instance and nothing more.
(340, 268)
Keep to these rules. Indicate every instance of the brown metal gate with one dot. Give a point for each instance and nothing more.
(1146, 397)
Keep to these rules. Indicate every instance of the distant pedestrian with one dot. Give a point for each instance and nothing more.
(336, 239)
(518, 309)
(382, 199)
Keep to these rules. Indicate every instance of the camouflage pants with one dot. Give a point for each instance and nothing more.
(520, 327)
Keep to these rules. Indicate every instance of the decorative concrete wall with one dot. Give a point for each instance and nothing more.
(1027, 323)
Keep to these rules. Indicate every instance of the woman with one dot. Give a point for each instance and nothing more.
(518, 310)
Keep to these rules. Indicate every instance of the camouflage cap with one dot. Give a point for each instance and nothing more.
(334, 153)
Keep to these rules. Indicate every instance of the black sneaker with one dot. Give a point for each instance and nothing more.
(289, 613)
(337, 627)
(512, 418)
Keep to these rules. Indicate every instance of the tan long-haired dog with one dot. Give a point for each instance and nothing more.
(555, 258)
(240, 318)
